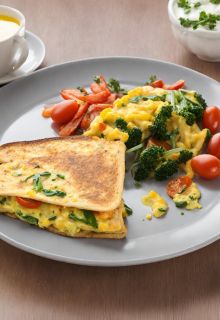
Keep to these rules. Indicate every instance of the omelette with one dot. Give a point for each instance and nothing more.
(71, 186)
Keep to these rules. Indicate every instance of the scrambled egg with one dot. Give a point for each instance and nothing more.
(136, 114)
(49, 215)
(188, 199)
(158, 205)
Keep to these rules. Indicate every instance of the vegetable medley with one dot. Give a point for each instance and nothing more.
(164, 126)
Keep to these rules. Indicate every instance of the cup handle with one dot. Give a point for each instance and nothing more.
(21, 52)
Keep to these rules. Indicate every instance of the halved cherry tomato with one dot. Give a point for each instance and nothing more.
(211, 119)
(102, 126)
(28, 203)
(155, 142)
(175, 86)
(64, 111)
(206, 165)
(178, 185)
(46, 113)
(157, 84)
(214, 145)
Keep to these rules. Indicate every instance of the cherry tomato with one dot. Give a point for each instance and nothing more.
(214, 145)
(28, 203)
(206, 166)
(175, 86)
(157, 84)
(64, 111)
(102, 126)
(163, 144)
(178, 185)
(211, 119)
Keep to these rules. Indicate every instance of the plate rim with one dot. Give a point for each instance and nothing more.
(103, 263)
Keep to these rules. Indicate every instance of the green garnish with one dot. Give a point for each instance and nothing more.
(51, 193)
(197, 4)
(115, 86)
(61, 176)
(162, 209)
(3, 200)
(137, 99)
(215, 1)
(181, 204)
(27, 218)
(128, 210)
(184, 4)
(52, 218)
(97, 79)
(182, 213)
(208, 20)
(88, 218)
(151, 79)
(37, 184)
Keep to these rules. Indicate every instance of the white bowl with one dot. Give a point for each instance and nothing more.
(205, 44)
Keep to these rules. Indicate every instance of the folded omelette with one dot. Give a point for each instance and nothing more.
(71, 186)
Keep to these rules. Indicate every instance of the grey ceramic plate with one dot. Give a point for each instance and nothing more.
(147, 241)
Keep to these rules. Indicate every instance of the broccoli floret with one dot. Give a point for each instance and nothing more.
(147, 162)
(158, 129)
(134, 134)
(166, 169)
(190, 110)
(134, 137)
(184, 156)
(200, 100)
(121, 124)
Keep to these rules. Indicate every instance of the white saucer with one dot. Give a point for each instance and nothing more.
(34, 59)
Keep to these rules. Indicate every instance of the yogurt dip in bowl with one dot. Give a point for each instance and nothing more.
(196, 24)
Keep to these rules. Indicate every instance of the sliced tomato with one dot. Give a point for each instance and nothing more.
(28, 203)
(64, 111)
(46, 113)
(157, 84)
(160, 143)
(206, 166)
(70, 127)
(178, 185)
(211, 119)
(102, 126)
(175, 86)
(71, 94)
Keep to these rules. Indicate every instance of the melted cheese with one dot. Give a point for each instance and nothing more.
(157, 204)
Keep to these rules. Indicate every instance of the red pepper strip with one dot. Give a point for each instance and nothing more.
(112, 98)
(95, 87)
(175, 86)
(102, 126)
(85, 123)
(157, 84)
(99, 107)
(70, 94)
(70, 127)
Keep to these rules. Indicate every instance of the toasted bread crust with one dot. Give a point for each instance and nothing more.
(93, 170)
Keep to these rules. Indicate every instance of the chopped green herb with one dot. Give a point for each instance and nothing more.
(97, 79)
(197, 4)
(3, 200)
(51, 193)
(184, 4)
(37, 185)
(81, 89)
(137, 99)
(52, 218)
(182, 213)
(192, 198)
(215, 1)
(162, 209)
(128, 210)
(29, 177)
(88, 219)
(61, 176)
(151, 79)
(115, 86)
(27, 218)
(181, 204)
(208, 20)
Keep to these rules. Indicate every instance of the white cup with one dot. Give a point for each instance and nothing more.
(13, 50)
